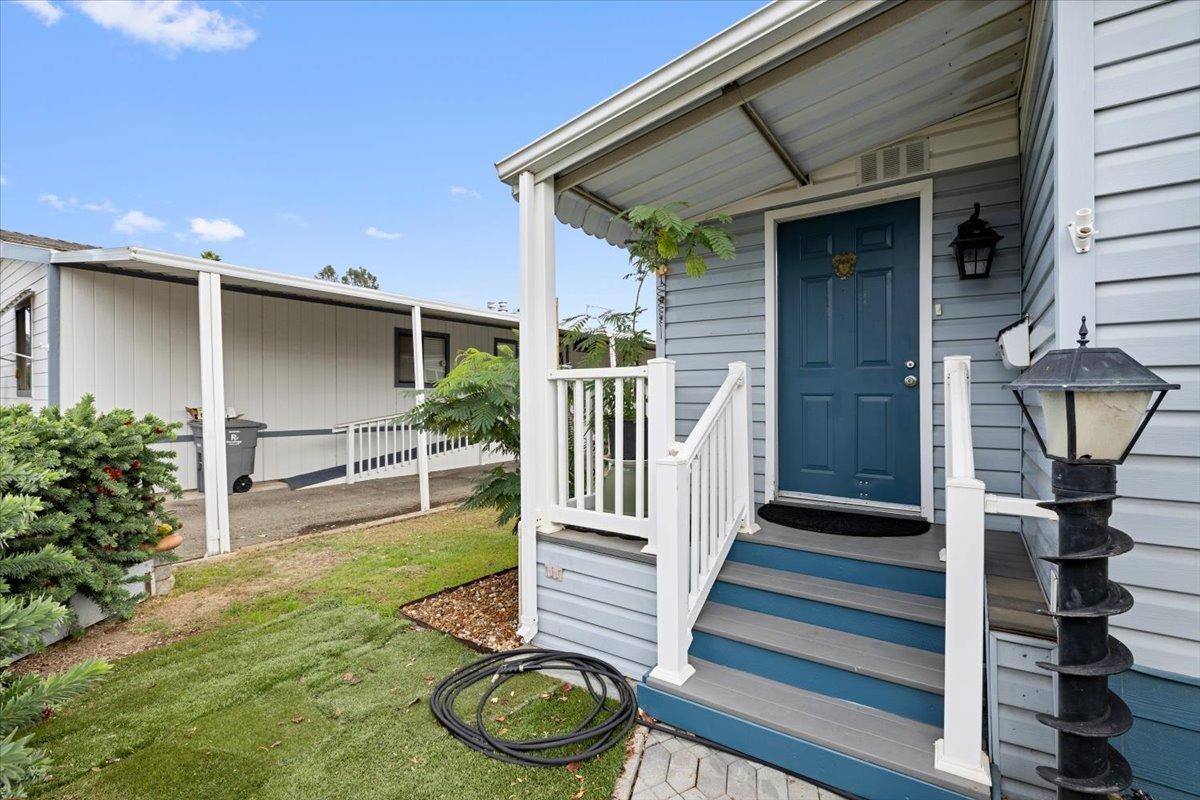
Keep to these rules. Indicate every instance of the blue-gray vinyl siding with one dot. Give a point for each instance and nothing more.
(721, 317)
(604, 606)
(1147, 173)
(1019, 690)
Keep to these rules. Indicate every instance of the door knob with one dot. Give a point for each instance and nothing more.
(910, 381)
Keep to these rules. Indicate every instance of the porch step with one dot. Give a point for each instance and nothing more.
(891, 677)
(916, 552)
(851, 568)
(862, 750)
(902, 618)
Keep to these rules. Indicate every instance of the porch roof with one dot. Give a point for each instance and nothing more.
(172, 266)
(792, 89)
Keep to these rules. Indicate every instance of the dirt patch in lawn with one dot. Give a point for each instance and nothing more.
(163, 620)
(482, 613)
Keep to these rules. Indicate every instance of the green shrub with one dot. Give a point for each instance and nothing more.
(24, 618)
(102, 503)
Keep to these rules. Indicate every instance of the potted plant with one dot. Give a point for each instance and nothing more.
(660, 235)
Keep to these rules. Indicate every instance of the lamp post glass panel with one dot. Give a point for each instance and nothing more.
(975, 247)
(1095, 402)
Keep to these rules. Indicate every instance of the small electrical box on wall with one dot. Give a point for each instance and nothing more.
(1013, 343)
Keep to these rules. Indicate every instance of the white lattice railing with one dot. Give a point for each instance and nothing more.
(383, 446)
(958, 752)
(596, 486)
(704, 497)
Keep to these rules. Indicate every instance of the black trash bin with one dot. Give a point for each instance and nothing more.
(241, 442)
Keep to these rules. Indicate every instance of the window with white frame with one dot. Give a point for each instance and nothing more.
(23, 351)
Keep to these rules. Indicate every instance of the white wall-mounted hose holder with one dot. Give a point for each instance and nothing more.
(1083, 229)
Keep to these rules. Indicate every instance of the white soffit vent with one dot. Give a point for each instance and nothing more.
(895, 161)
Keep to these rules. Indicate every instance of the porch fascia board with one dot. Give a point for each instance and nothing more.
(761, 38)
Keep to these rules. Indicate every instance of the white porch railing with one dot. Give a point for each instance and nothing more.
(592, 479)
(704, 497)
(381, 446)
(959, 751)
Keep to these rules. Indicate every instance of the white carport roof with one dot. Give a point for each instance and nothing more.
(138, 260)
(795, 87)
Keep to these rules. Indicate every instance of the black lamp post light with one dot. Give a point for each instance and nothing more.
(975, 247)
(1095, 401)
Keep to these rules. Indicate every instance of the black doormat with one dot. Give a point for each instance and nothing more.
(846, 523)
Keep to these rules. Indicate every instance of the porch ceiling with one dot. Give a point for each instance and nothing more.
(914, 65)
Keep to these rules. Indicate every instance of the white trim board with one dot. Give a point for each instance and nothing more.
(922, 190)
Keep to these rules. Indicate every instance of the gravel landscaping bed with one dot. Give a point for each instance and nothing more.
(482, 613)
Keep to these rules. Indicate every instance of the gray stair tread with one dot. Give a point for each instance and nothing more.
(919, 608)
(917, 552)
(895, 663)
(891, 741)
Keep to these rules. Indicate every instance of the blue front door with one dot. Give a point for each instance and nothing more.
(849, 426)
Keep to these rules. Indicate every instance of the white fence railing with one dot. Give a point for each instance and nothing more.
(383, 446)
(959, 751)
(602, 480)
(704, 497)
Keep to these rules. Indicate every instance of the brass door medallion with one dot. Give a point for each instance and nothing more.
(843, 265)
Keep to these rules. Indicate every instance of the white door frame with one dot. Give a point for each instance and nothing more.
(923, 190)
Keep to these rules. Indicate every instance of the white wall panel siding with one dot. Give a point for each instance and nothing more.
(720, 317)
(603, 606)
(301, 367)
(18, 276)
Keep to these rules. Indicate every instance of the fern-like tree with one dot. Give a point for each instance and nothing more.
(661, 235)
(480, 399)
(210, 255)
(354, 276)
(24, 618)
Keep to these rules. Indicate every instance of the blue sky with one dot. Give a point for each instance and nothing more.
(279, 134)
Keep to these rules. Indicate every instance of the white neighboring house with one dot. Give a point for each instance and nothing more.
(325, 366)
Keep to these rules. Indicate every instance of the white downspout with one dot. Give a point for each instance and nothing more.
(212, 407)
(418, 344)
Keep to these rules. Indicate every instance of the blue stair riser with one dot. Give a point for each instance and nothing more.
(795, 755)
(865, 573)
(820, 678)
(851, 620)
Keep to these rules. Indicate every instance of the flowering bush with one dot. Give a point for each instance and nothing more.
(104, 505)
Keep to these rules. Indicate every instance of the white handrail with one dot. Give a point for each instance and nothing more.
(704, 498)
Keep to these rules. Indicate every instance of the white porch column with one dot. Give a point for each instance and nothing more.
(539, 353)
(418, 344)
(212, 407)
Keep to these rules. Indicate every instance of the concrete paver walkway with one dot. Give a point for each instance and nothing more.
(277, 512)
(671, 768)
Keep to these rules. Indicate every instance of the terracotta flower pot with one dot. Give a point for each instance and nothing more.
(169, 542)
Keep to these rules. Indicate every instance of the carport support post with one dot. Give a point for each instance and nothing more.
(539, 354)
(212, 408)
(418, 343)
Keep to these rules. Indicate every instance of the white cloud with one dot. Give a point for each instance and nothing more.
(173, 24)
(135, 221)
(104, 207)
(3, 181)
(463, 191)
(375, 233)
(216, 230)
(56, 202)
(44, 10)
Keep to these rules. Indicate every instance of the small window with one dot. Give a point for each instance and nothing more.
(435, 351)
(24, 348)
(511, 344)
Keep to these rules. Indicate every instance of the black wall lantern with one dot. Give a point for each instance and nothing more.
(1095, 401)
(975, 247)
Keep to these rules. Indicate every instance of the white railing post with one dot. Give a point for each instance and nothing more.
(418, 345)
(672, 505)
(743, 445)
(660, 413)
(959, 751)
(351, 431)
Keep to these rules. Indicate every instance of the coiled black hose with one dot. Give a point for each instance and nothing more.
(595, 735)
(605, 726)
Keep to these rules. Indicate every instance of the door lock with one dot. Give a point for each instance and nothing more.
(910, 381)
(910, 364)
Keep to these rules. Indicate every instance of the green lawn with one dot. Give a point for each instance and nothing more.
(314, 689)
